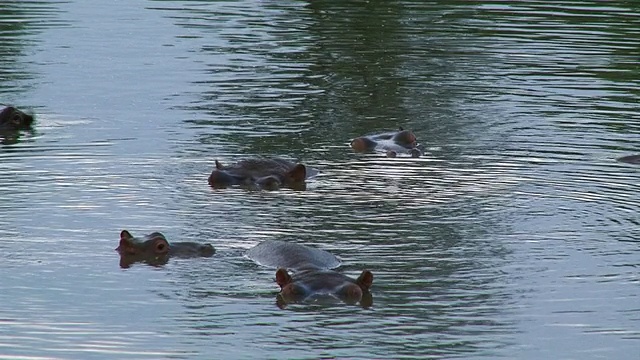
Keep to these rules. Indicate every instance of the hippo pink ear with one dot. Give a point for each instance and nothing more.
(282, 277)
(365, 280)
(298, 173)
(219, 166)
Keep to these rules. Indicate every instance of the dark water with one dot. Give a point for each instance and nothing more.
(515, 236)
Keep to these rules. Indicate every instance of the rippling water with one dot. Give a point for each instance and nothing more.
(515, 236)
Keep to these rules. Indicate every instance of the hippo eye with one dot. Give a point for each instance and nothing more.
(16, 119)
(161, 247)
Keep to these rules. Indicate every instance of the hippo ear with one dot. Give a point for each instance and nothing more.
(125, 246)
(125, 235)
(365, 279)
(219, 166)
(400, 128)
(298, 173)
(282, 277)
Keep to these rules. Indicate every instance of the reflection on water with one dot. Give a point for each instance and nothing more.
(507, 238)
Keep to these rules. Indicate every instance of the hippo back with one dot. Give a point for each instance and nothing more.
(280, 254)
(630, 159)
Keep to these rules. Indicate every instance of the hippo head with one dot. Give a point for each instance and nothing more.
(154, 249)
(405, 138)
(363, 144)
(154, 245)
(313, 283)
(260, 175)
(12, 119)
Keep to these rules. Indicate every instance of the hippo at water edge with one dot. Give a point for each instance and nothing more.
(312, 276)
(12, 119)
(630, 159)
(263, 173)
(154, 249)
(392, 143)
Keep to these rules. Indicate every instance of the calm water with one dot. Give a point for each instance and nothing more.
(517, 235)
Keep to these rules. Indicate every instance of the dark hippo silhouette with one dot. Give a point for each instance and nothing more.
(154, 249)
(392, 143)
(264, 173)
(630, 159)
(12, 119)
(312, 277)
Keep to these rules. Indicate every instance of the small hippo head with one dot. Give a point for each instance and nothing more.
(312, 283)
(392, 143)
(363, 144)
(257, 174)
(405, 138)
(12, 119)
(154, 244)
(154, 249)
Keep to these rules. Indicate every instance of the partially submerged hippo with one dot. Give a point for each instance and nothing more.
(312, 277)
(308, 283)
(630, 159)
(392, 143)
(264, 173)
(12, 119)
(154, 249)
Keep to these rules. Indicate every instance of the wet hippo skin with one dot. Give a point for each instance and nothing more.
(264, 173)
(311, 283)
(311, 277)
(282, 254)
(154, 249)
(630, 159)
(391, 143)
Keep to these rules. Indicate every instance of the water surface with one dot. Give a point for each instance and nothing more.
(515, 236)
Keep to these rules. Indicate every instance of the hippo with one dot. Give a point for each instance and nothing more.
(392, 143)
(308, 283)
(12, 119)
(263, 173)
(154, 249)
(630, 159)
(312, 276)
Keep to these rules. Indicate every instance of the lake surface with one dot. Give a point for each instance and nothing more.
(516, 236)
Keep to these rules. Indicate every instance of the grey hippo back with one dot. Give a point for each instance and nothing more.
(281, 254)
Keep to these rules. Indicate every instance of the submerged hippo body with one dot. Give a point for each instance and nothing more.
(154, 249)
(265, 173)
(312, 277)
(282, 254)
(12, 119)
(392, 143)
(630, 159)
